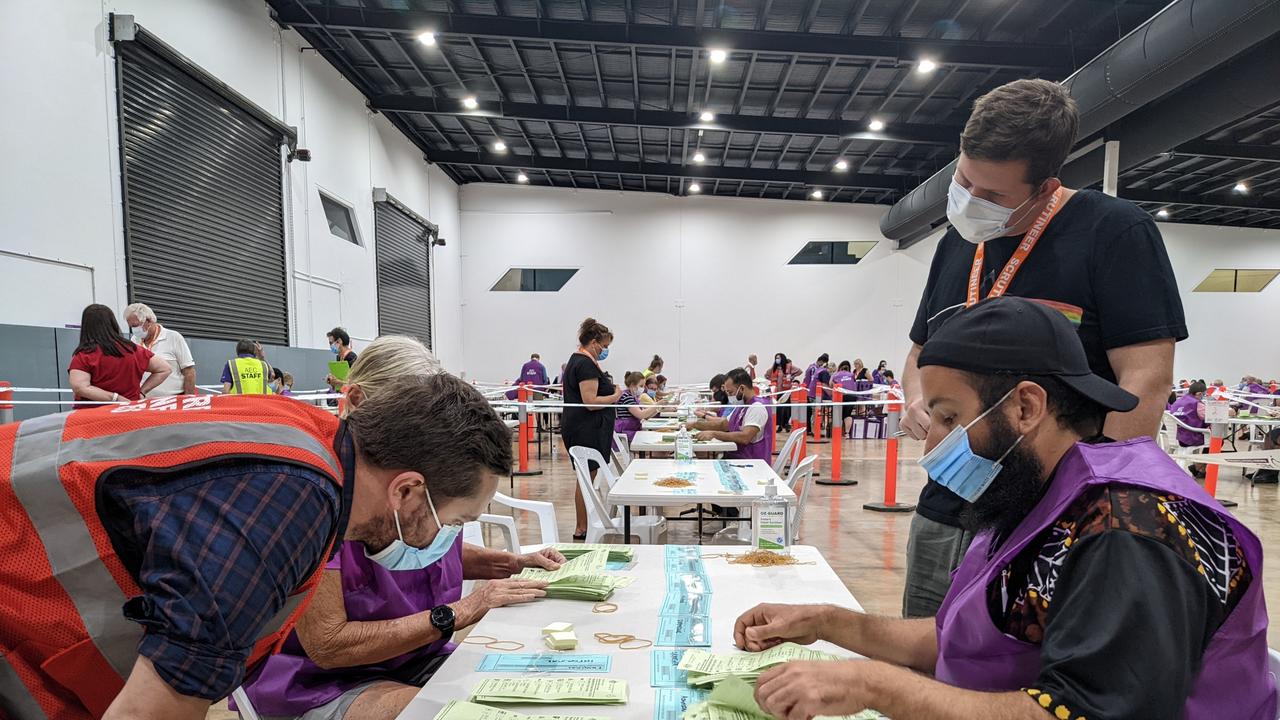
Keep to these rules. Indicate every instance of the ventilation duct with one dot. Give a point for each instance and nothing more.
(1184, 40)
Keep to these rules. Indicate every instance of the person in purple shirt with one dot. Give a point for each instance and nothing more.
(1103, 581)
(844, 379)
(748, 424)
(533, 372)
(1189, 410)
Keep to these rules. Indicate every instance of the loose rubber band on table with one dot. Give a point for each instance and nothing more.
(468, 640)
(518, 645)
(613, 607)
(622, 639)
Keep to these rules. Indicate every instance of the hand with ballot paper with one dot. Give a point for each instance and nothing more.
(767, 625)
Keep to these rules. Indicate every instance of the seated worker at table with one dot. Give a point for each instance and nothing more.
(630, 413)
(650, 394)
(379, 626)
(748, 423)
(1104, 583)
(1189, 410)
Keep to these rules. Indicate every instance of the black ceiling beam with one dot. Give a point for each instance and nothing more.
(895, 183)
(914, 133)
(1176, 198)
(1230, 151)
(1055, 59)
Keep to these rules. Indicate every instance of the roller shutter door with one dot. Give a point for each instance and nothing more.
(404, 273)
(204, 216)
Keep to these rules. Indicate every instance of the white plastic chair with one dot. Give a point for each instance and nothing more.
(244, 708)
(1169, 433)
(548, 534)
(621, 452)
(799, 480)
(649, 529)
(790, 451)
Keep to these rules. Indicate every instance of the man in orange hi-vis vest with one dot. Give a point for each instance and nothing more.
(152, 553)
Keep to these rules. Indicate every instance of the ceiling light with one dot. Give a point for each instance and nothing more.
(695, 188)
(718, 56)
(876, 125)
(816, 194)
(926, 66)
(1162, 213)
(699, 157)
(842, 164)
(522, 178)
(1241, 188)
(427, 38)
(500, 146)
(707, 116)
(469, 102)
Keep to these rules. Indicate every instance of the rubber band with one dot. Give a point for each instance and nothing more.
(470, 640)
(599, 607)
(613, 638)
(518, 645)
(647, 643)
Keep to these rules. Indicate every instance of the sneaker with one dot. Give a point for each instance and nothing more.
(1266, 477)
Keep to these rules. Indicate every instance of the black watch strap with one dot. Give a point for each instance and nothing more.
(442, 619)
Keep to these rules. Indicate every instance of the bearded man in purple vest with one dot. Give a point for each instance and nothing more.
(1103, 581)
(748, 424)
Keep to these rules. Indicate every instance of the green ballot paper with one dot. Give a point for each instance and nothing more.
(582, 578)
(544, 690)
(708, 668)
(339, 369)
(617, 553)
(734, 699)
(462, 710)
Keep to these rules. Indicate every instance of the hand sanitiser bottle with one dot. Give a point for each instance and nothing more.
(684, 447)
(770, 521)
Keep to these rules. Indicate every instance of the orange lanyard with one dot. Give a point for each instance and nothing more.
(1012, 267)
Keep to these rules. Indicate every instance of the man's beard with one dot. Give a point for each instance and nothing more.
(379, 532)
(1014, 492)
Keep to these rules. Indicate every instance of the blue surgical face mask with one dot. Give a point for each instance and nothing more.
(400, 556)
(604, 353)
(333, 348)
(651, 393)
(953, 464)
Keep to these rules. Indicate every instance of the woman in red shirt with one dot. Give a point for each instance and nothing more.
(105, 366)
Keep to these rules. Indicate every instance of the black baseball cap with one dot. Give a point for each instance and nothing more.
(1010, 335)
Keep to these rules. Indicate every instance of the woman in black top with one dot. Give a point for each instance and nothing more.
(585, 383)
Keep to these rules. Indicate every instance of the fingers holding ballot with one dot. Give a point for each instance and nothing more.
(767, 625)
(547, 558)
(804, 689)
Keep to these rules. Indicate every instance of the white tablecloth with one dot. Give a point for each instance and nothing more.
(735, 589)
(651, 441)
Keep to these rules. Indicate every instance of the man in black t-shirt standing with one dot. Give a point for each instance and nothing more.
(1016, 230)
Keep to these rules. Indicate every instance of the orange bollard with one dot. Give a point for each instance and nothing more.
(798, 397)
(816, 409)
(837, 439)
(522, 396)
(1211, 470)
(890, 503)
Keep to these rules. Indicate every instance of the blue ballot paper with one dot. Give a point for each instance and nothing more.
(684, 631)
(688, 584)
(678, 602)
(664, 669)
(730, 478)
(670, 703)
(685, 565)
(545, 662)
(616, 565)
(692, 551)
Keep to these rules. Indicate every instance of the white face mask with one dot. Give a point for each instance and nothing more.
(977, 220)
(138, 332)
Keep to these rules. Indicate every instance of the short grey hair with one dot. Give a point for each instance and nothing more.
(142, 312)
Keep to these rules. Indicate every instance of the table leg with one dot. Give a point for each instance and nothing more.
(699, 523)
(626, 524)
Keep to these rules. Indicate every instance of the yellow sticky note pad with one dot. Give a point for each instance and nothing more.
(560, 640)
(558, 627)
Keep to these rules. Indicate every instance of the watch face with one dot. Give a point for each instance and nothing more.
(442, 616)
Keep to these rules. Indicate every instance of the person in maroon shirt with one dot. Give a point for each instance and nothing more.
(105, 366)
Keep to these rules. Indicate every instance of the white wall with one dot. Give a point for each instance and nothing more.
(702, 281)
(62, 243)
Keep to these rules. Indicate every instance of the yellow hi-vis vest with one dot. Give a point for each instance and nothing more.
(249, 377)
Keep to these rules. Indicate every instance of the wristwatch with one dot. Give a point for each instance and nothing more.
(442, 619)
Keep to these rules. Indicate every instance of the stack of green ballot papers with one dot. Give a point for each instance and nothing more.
(617, 553)
(462, 710)
(708, 668)
(543, 690)
(734, 699)
(582, 578)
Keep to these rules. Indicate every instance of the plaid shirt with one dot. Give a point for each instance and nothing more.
(216, 553)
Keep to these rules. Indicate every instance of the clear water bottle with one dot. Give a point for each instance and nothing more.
(684, 447)
(770, 521)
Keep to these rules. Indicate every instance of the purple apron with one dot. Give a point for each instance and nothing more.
(626, 423)
(533, 373)
(811, 380)
(290, 684)
(762, 448)
(877, 378)
(1184, 408)
(844, 380)
(973, 653)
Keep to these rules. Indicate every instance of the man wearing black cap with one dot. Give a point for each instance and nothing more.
(1103, 581)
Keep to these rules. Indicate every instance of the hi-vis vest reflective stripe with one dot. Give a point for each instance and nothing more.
(249, 377)
(65, 645)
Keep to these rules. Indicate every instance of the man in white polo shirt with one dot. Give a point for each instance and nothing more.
(169, 345)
